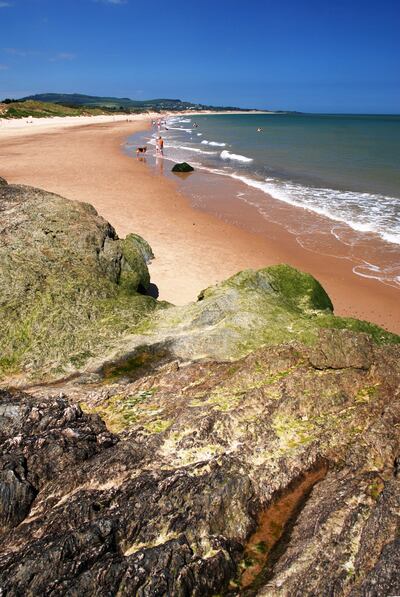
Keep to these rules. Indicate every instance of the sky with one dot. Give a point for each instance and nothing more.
(307, 55)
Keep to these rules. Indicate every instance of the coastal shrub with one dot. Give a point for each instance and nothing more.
(37, 109)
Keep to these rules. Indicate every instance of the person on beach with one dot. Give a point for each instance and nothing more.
(160, 146)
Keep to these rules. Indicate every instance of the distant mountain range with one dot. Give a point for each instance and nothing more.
(121, 103)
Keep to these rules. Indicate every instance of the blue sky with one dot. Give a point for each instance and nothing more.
(327, 56)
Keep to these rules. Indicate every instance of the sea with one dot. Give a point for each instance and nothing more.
(343, 168)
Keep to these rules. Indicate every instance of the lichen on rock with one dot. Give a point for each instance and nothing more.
(289, 490)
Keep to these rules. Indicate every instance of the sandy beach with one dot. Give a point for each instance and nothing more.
(193, 248)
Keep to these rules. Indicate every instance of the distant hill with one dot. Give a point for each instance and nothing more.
(121, 103)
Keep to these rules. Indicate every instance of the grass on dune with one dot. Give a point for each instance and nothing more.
(44, 110)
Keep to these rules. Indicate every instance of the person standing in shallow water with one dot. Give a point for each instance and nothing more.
(160, 146)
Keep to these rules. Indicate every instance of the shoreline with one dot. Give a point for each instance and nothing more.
(232, 199)
(32, 124)
(194, 248)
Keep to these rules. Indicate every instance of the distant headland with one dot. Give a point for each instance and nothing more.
(75, 104)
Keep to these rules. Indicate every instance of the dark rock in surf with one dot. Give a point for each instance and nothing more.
(182, 167)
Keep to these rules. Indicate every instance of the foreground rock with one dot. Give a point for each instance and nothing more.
(251, 309)
(273, 475)
(175, 466)
(68, 285)
(72, 300)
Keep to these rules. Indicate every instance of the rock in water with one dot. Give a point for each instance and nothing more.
(3, 181)
(182, 167)
(270, 476)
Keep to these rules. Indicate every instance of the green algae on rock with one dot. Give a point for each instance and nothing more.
(270, 470)
(72, 299)
(251, 309)
(69, 286)
(182, 167)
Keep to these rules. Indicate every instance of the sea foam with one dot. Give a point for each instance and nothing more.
(195, 149)
(333, 204)
(213, 143)
(226, 155)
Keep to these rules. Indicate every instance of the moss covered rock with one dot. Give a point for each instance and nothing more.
(136, 253)
(68, 286)
(301, 291)
(251, 309)
(71, 299)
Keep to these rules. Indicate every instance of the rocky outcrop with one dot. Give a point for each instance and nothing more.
(40, 440)
(68, 285)
(72, 299)
(244, 444)
(251, 309)
(272, 475)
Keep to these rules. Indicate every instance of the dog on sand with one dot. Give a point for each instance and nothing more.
(141, 150)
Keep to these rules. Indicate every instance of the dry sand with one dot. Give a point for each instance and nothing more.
(29, 125)
(193, 249)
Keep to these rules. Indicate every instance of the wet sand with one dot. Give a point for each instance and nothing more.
(194, 248)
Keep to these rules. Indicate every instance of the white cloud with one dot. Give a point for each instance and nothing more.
(20, 52)
(112, 1)
(5, 4)
(62, 56)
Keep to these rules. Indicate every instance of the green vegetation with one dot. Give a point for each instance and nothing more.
(299, 290)
(38, 109)
(74, 104)
(72, 296)
(270, 306)
(69, 287)
(136, 253)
